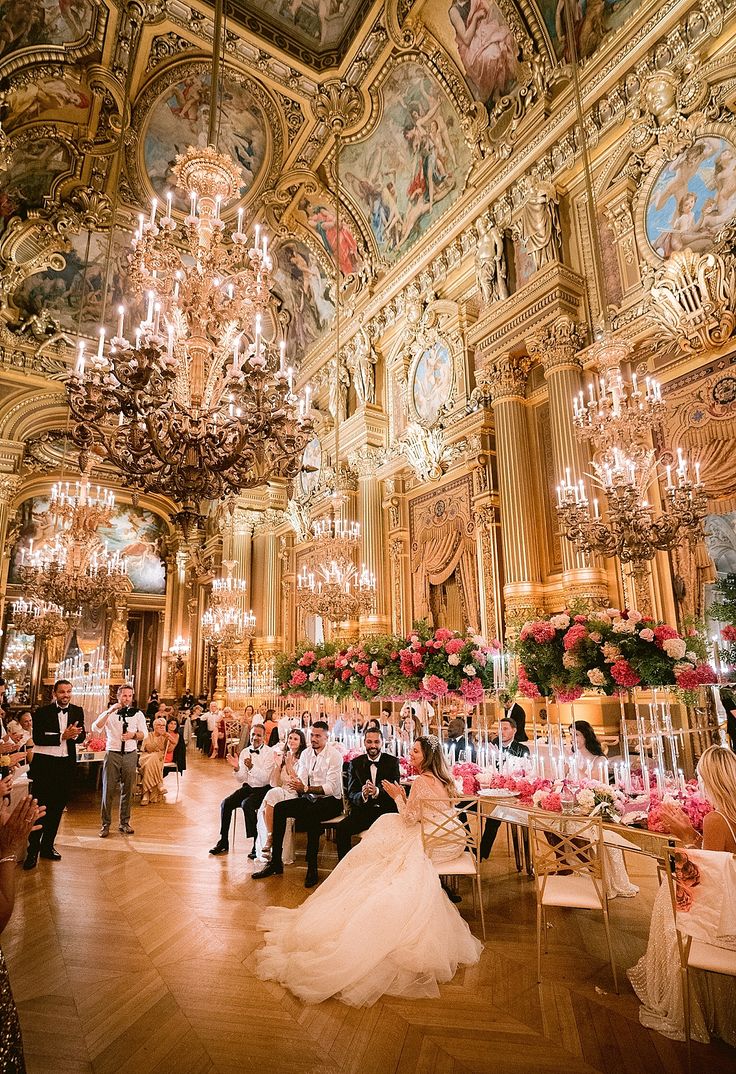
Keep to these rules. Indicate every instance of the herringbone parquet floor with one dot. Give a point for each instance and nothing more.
(134, 956)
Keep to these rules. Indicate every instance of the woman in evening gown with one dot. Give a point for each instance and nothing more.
(656, 976)
(380, 924)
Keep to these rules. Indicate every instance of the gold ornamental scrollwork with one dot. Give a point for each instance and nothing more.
(338, 105)
(503, 377)
(693, 300)
(558, 346)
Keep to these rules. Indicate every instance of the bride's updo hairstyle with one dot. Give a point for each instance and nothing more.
(717, 771)
(434, 760)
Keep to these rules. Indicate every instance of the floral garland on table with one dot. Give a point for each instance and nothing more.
(610, 651)
(426, 665)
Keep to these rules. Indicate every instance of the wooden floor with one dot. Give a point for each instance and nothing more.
(134, 954)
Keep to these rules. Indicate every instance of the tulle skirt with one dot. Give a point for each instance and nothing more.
(380, 924)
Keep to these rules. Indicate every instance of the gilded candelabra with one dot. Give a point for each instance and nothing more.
(226, 622)
(42, 619)
(199, 404)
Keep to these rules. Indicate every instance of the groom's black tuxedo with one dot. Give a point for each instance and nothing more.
(363, 813)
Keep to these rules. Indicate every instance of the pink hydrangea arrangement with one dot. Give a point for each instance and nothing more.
(468, 773)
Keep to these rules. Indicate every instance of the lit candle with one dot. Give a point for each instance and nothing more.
(240, 222)
(596, 513)
(258, 236)
(101, 343)
(149, 314)
(168, 203)
(154, 204)
(193, 203)
(80, 361)
(697, 472)
(669, 477)
(236, 356)
(282, 356)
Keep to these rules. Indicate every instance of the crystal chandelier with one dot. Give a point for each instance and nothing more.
(76, 569)
(196, 402)
(226, 622)
(336, 590)
(179, 648)
(42, 619)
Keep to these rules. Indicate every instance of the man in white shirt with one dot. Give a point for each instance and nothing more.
(124, 726)
(253, 768)
(318, 784)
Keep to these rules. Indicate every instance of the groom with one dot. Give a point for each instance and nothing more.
(368, 799)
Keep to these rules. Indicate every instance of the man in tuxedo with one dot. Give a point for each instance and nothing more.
(514, 711)
(124, 726)
(253, 768)
(368, 799)
(507, 731)
(57, 728)
(456, 737)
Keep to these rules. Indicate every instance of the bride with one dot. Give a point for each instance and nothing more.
(380, 924)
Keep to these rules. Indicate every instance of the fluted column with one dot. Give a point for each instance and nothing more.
(370, 516)
(557, 348)
(242, 547)
(9, 485)
(272, 590)
(505, 380)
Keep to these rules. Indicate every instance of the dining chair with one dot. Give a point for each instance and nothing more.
(169, 767)
(569, 871)
(697, 953)
(451, 839)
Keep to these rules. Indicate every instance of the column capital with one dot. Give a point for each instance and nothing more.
(558, 345)
(9, 485)
(504, 377)
(244, 521)
(365, 461)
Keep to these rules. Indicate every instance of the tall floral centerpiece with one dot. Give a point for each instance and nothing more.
(610, 651)
(723, 610)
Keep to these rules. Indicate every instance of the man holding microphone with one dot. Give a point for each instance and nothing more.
(125, 726)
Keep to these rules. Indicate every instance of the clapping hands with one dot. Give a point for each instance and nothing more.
(394, 790)
(17, 824)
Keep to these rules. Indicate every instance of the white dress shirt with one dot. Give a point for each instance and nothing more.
(260, 774)
(322, 770)
(61, 750)
(114, 730)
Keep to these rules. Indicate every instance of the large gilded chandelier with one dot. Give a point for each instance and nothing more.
(75, 569)
(335, 589)
(41, 618)
(226, 622)
(195, 402)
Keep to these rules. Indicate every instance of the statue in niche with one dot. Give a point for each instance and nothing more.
(539, 222)
(338, 390)
(361, 362)
(118, 637)
(490, 262)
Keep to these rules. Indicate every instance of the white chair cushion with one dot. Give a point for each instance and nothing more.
(573, 891)
(462, 866)
(704, 956)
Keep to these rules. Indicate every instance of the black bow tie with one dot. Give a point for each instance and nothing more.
(256, 751)
(64, 710)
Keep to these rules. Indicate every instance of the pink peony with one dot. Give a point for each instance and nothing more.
(371, 682)
(346, 674)
(729, 633)
(697, 676)
(306, 659)
(443, 634)
(568, 694)
(574, 635)
(454, 645)
(472, 691)
(435, 685)
(647, 634)
(362, 669)
(623, 674)
(551, 802)
(663, 633)
(298, 678)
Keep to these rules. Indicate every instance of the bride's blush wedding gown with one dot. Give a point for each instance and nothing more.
(380, 924)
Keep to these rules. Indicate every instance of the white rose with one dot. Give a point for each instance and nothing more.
(623, 626)
(691, 656)
(470, 671)
(613, 613)
(635, 617)
(312, 676)
(675, 648)
(454, 659)
(538, 796)
(560, 622)
(596, 677)
(586, 799)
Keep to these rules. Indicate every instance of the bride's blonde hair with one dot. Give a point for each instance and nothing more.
(717, 769)
(434, 760)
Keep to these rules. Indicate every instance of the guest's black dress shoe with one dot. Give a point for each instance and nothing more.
(252, 856)
(220, 848)
(51, 855)
(31, 860)
(312, 878)
(452, 895)
(270, 870)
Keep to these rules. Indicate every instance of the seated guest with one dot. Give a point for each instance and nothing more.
(387, 728)
(463, 747)
(186, 701)
(284, 770)
(590, 756)
(253, 770)
(318, 785)
(288, 722)
(345, 725)
(270, 728)
(410, 727)
(153, 705)
(509, 741)
(657, 977)
(151, 762)
(208, 724)
(219, 737)
(21, 735)
(507, 731)
(366, 793)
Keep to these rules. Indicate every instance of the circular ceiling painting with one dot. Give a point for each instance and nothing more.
(693, 197)
(179, 117)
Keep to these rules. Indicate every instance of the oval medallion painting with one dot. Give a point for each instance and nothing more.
(312, 463)
(180, 118)
(432, 383)
(693, 197)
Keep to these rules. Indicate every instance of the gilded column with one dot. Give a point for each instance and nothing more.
(487, 532)
(9, 485)
(271, 590)
(504, 378)
(557, 348)
(370, 516)
(241, 547)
